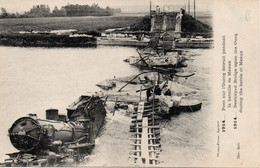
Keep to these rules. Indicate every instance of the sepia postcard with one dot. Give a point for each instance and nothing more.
(128, 83)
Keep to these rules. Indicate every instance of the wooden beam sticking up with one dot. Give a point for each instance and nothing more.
(144, 142)
(194, 10)
(115, 107)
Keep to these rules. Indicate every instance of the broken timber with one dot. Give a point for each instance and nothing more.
(146, 132)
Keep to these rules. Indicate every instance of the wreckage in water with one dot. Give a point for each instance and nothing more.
(160, 60)
(156, 62)
(172, 97)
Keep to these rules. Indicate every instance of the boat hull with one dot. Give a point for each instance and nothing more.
(175, 110)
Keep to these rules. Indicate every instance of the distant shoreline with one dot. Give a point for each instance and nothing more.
(10, 30)
(16, 31)
(83, 23)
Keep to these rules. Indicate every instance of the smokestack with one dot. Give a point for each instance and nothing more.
(52, 114)
(189, 7)
(194, 10)
(150, 7)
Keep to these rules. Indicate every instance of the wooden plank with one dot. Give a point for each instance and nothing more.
(141, 133)
(144, 142)
(151, 110)
(135, 139)
(155, 145)
(138, 157)
(135, 150)
(80, 145)
(140, 110)
(151, 138)
(139, 116)
(140, 107)
(155, 127)
(115, 107)
(105, 100)
(135, 144)
(147, 111)
(144, 115)
(154, 150)
(140, 98)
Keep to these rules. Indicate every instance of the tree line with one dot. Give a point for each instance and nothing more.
(68, 10)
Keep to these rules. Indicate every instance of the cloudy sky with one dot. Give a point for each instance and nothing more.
(126, 5)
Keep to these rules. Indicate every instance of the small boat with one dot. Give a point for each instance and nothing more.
(186, 105)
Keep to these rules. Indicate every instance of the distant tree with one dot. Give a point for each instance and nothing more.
(86, 10)
(43, 10)
(63, 11)
(3, 10)
(58, 13)
(55, 11)
(4, 13)
(39, 11)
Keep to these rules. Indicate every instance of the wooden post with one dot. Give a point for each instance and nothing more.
(150, 8)
(144, 141)
(140, 94)
(194, 10)
(153, 102)
(158, 78)
(115, 107)
(105, 100)
(189, 7)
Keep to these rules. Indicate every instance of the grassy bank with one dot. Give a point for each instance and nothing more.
(56, 23)
(46, 40)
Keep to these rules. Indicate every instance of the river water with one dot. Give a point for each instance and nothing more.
(35, 79)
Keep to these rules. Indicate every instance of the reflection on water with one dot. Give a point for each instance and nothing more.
(35, 79)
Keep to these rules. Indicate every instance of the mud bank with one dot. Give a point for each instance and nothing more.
(46, 40)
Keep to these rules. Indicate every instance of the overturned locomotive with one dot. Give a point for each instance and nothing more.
(57, 140)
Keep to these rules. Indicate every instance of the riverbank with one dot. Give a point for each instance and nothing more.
(39, 32)
(125, 41)
(85, 23)
(46, 40)
(10, 30)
